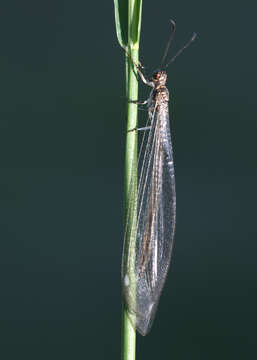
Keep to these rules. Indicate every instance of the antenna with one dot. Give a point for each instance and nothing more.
(182, 49)
(173, 30)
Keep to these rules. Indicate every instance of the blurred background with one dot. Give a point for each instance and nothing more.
(62, 139)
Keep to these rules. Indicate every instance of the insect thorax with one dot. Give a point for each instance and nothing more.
(160, 97)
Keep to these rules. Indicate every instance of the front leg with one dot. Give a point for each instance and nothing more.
(145, 81)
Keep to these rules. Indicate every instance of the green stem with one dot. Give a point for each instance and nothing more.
(128, 331)
(128, 26)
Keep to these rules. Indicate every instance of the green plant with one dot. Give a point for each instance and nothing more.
(128, 26)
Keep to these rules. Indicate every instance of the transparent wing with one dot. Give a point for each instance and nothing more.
(152, 216)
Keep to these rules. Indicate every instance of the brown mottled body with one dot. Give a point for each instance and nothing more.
(158, 101)
(160, 93)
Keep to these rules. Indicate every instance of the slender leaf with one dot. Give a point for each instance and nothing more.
(121, 21)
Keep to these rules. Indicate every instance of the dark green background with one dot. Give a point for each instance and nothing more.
(62, 128)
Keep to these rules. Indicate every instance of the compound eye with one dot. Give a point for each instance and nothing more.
(157, 75)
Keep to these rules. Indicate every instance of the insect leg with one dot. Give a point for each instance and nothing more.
(138, 102)
(140, 129)
(145, 81)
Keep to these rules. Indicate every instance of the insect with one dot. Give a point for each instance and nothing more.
(151, 216)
